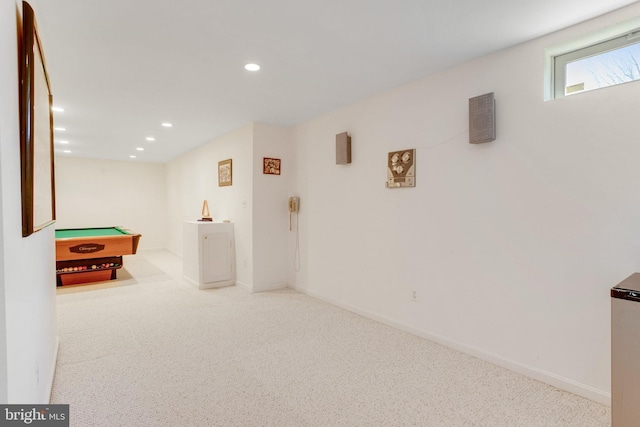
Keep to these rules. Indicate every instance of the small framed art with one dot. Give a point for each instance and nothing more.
(271, 166)
(401, 168)
(225, 173)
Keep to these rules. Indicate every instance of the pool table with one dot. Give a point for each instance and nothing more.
(86, 255)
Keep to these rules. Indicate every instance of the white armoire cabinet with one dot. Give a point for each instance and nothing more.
(208, 254)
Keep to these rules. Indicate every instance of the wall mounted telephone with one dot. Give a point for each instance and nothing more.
(294, 206)
(294, 203)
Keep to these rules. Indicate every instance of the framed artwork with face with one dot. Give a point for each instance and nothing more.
(401, 169)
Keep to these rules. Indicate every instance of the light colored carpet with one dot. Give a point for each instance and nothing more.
(148, 350)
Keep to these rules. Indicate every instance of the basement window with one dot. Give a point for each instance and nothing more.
(607, 63)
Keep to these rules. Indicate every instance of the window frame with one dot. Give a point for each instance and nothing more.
(560, 61)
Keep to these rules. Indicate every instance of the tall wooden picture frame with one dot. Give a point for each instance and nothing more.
(36, 131)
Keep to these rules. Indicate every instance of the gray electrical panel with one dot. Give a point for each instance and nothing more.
(482, 119)
(343, 149)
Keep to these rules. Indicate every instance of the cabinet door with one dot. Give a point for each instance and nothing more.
(216, 254)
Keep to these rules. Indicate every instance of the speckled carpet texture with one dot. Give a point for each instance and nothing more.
(149, 350)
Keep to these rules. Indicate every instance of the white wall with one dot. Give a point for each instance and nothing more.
(105, 193)
(513, 245)
(193, 178)
(270, 212)
(28, 340)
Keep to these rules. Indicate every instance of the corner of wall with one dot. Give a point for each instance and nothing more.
(270, 192)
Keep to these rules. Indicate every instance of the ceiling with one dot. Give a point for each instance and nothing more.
(120, 68)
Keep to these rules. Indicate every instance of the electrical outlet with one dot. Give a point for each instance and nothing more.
(414, 295)
(246, 264)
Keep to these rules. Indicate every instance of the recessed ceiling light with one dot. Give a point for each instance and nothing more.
(140, 149)
(66, 151)
(150, 138)
(60, 129)
(57, 109)
(132, 156)
(62, 142)
(167, 125)
(252, 67)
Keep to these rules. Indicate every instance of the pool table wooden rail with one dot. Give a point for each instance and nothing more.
(96, 246)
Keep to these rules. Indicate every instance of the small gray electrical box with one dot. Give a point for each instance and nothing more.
(343, 149)
(482, 119)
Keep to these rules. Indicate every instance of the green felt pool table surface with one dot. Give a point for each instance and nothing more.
(90, 232)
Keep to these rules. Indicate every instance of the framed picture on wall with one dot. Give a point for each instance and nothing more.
(36, 131)
(225, 173)
(401, 168)
(271, 166)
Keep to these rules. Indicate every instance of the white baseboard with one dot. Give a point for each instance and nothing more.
(54, 363)
(546, 377)
(211, 285)
(263, 288)
(244, 286)
(189, 281)
(270, 287)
